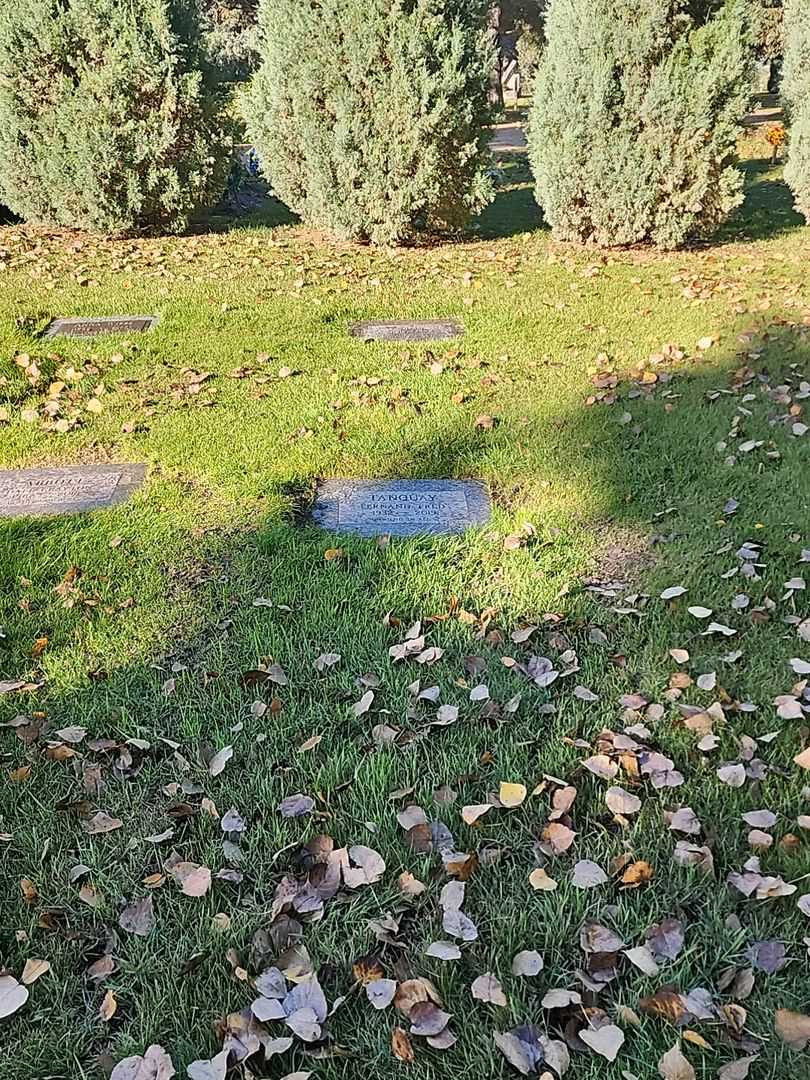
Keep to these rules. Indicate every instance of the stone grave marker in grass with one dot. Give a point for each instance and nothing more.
(70, 490)
(401, 507)
(407, 330)
(95, 327)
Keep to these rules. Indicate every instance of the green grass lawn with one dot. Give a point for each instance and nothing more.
(139, 623)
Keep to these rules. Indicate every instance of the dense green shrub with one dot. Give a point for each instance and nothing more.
(110, 119)
(796, 92)
(634, 125)
(369, 115)
(231, 35)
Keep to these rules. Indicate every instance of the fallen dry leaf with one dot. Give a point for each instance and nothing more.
(109, 1007)
(101, 823)
(193, 880)
(12, 995)
(541, 882)
(606, 1040)
(638, 873)
(622, 802)
(218, 762)
(512, 795)
(401, 1045)
(471, 814)
(138, 917)
(792, 1028)
(527, 963)
(380, 992)
(674, 1066)
(487, 988)
(296, 806)
(643, 959)
(737, 1070)
(33, 970)
(155, 1064)
(214, 1068)
(588, 875)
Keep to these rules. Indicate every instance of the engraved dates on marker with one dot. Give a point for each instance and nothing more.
(401, 507)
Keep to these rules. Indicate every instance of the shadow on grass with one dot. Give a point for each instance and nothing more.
(229, 599)
(259, 212)
(515, 208)
(768, 211)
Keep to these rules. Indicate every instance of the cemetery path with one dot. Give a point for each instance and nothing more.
(508, 137)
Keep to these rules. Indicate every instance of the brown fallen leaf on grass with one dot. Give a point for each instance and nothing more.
(666, 1005)
(369, 867)
(428, 1019)
(637, 874)
(102, 968)
(643, 959)
(792, 1028)
(412, 992)
(471, 814)
(138, 917)
(459, 925)
(30, 893)
(33, 970)
(557, 838)
(666, 939)
(401, 1046)
(522, 1053)
(155, 1064)
(560, 999)
(380, 992)
(100, 823)
(194, 880)
(409, 885)
(541, 882)
(674, 1066)
(109, 1007)
(622, 802)
(588, 875)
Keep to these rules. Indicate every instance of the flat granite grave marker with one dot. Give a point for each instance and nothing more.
(95, 327)
(401, 507)
(72, 490)
(407, 330)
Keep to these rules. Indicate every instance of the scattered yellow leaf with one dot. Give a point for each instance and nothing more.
(511, 795)
(541, 882)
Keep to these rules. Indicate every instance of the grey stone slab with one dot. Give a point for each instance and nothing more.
(95, 327)
(401, 507)
(407, 330)
(72, 490)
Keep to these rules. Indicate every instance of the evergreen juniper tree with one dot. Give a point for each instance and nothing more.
(110, 119)
(796, 92)
(370, 115)
(634, 124)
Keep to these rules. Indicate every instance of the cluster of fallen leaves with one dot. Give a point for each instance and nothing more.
(633, 774)
(627, 773)
(58, 395)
